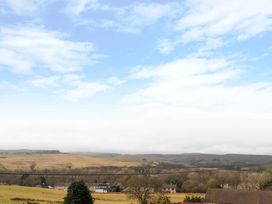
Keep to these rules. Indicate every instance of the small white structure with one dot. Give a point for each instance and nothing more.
(61, 188)
(102, 188)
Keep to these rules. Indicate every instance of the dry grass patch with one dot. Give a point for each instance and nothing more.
(59, 161)
(33, 195)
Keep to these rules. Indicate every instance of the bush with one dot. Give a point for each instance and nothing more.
(161, 199)
(78, 193)
(193, 199)
(266, 184)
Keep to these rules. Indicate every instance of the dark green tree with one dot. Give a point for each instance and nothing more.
(78, 193)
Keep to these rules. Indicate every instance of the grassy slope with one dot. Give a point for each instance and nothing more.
(58, 161)
(47, 196)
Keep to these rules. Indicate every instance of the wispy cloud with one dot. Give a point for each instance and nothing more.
(7, 85)
(165, 46)
(240, 19)
(199, 84)
(45, 81)
(130, 18)
(24, 7)
(72, 86)
(84, 89)
(25, 48)
(77, 7)
(49, 59)
(113, 80)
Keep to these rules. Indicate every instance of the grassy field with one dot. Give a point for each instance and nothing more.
(33, 195)
(58, 161)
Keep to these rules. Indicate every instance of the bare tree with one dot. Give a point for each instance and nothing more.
(33, 166)
(140, 188)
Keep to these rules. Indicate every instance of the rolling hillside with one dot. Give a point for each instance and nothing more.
(40, 160)
(26, 162)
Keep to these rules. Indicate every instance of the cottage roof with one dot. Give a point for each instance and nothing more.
(229, 196)
(169, 186)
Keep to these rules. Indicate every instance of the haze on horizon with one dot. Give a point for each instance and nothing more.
(136, 76)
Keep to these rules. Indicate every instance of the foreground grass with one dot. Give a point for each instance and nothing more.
(33, 195)
(29, 195)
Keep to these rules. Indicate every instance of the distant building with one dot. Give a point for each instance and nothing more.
(104, 188)
(169, 188)
(228, 196)
(128, 189)
(62, 188)
(3, 183)
(225, 186)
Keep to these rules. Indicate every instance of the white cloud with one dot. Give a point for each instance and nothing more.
(72, 78)
(241, 19)
(72, 87)
(165, 46)
(45, 81)
(84, 89)
(180, 68)
(115, 81)
(148, 13)
(80, 88)
(25, 7)
(25, 48)
(76, 7)
(137, 16)
(49, 59)
(131, 18)
(7, 85)
(199, 84)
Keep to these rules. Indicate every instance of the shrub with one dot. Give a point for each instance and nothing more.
(78, 193)
(161, 199)
(193, 199)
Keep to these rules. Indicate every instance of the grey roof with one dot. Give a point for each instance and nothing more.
(229, 196)
(169, 186)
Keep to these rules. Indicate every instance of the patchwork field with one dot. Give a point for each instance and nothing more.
(31, 195)
(58, 161)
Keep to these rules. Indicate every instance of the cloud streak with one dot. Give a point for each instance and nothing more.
(27, 48)
(48, 58)
(24, 7)
(240, 19)
(131, 18)
(199, 84)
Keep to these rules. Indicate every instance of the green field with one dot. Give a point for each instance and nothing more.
(33, 195)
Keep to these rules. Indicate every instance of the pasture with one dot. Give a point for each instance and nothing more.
(33, 195)
(59, 161)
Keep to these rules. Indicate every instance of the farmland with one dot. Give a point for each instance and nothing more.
(40, 160)
(190, 172)
(22, 195)
(58, 161)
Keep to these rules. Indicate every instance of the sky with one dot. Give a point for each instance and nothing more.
(142, 76)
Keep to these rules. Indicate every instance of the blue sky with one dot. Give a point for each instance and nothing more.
(136, 76)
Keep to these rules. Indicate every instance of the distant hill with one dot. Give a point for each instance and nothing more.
(22, 160)
(28, 151)
(54, 159)
(196, 159)
(207, 160)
